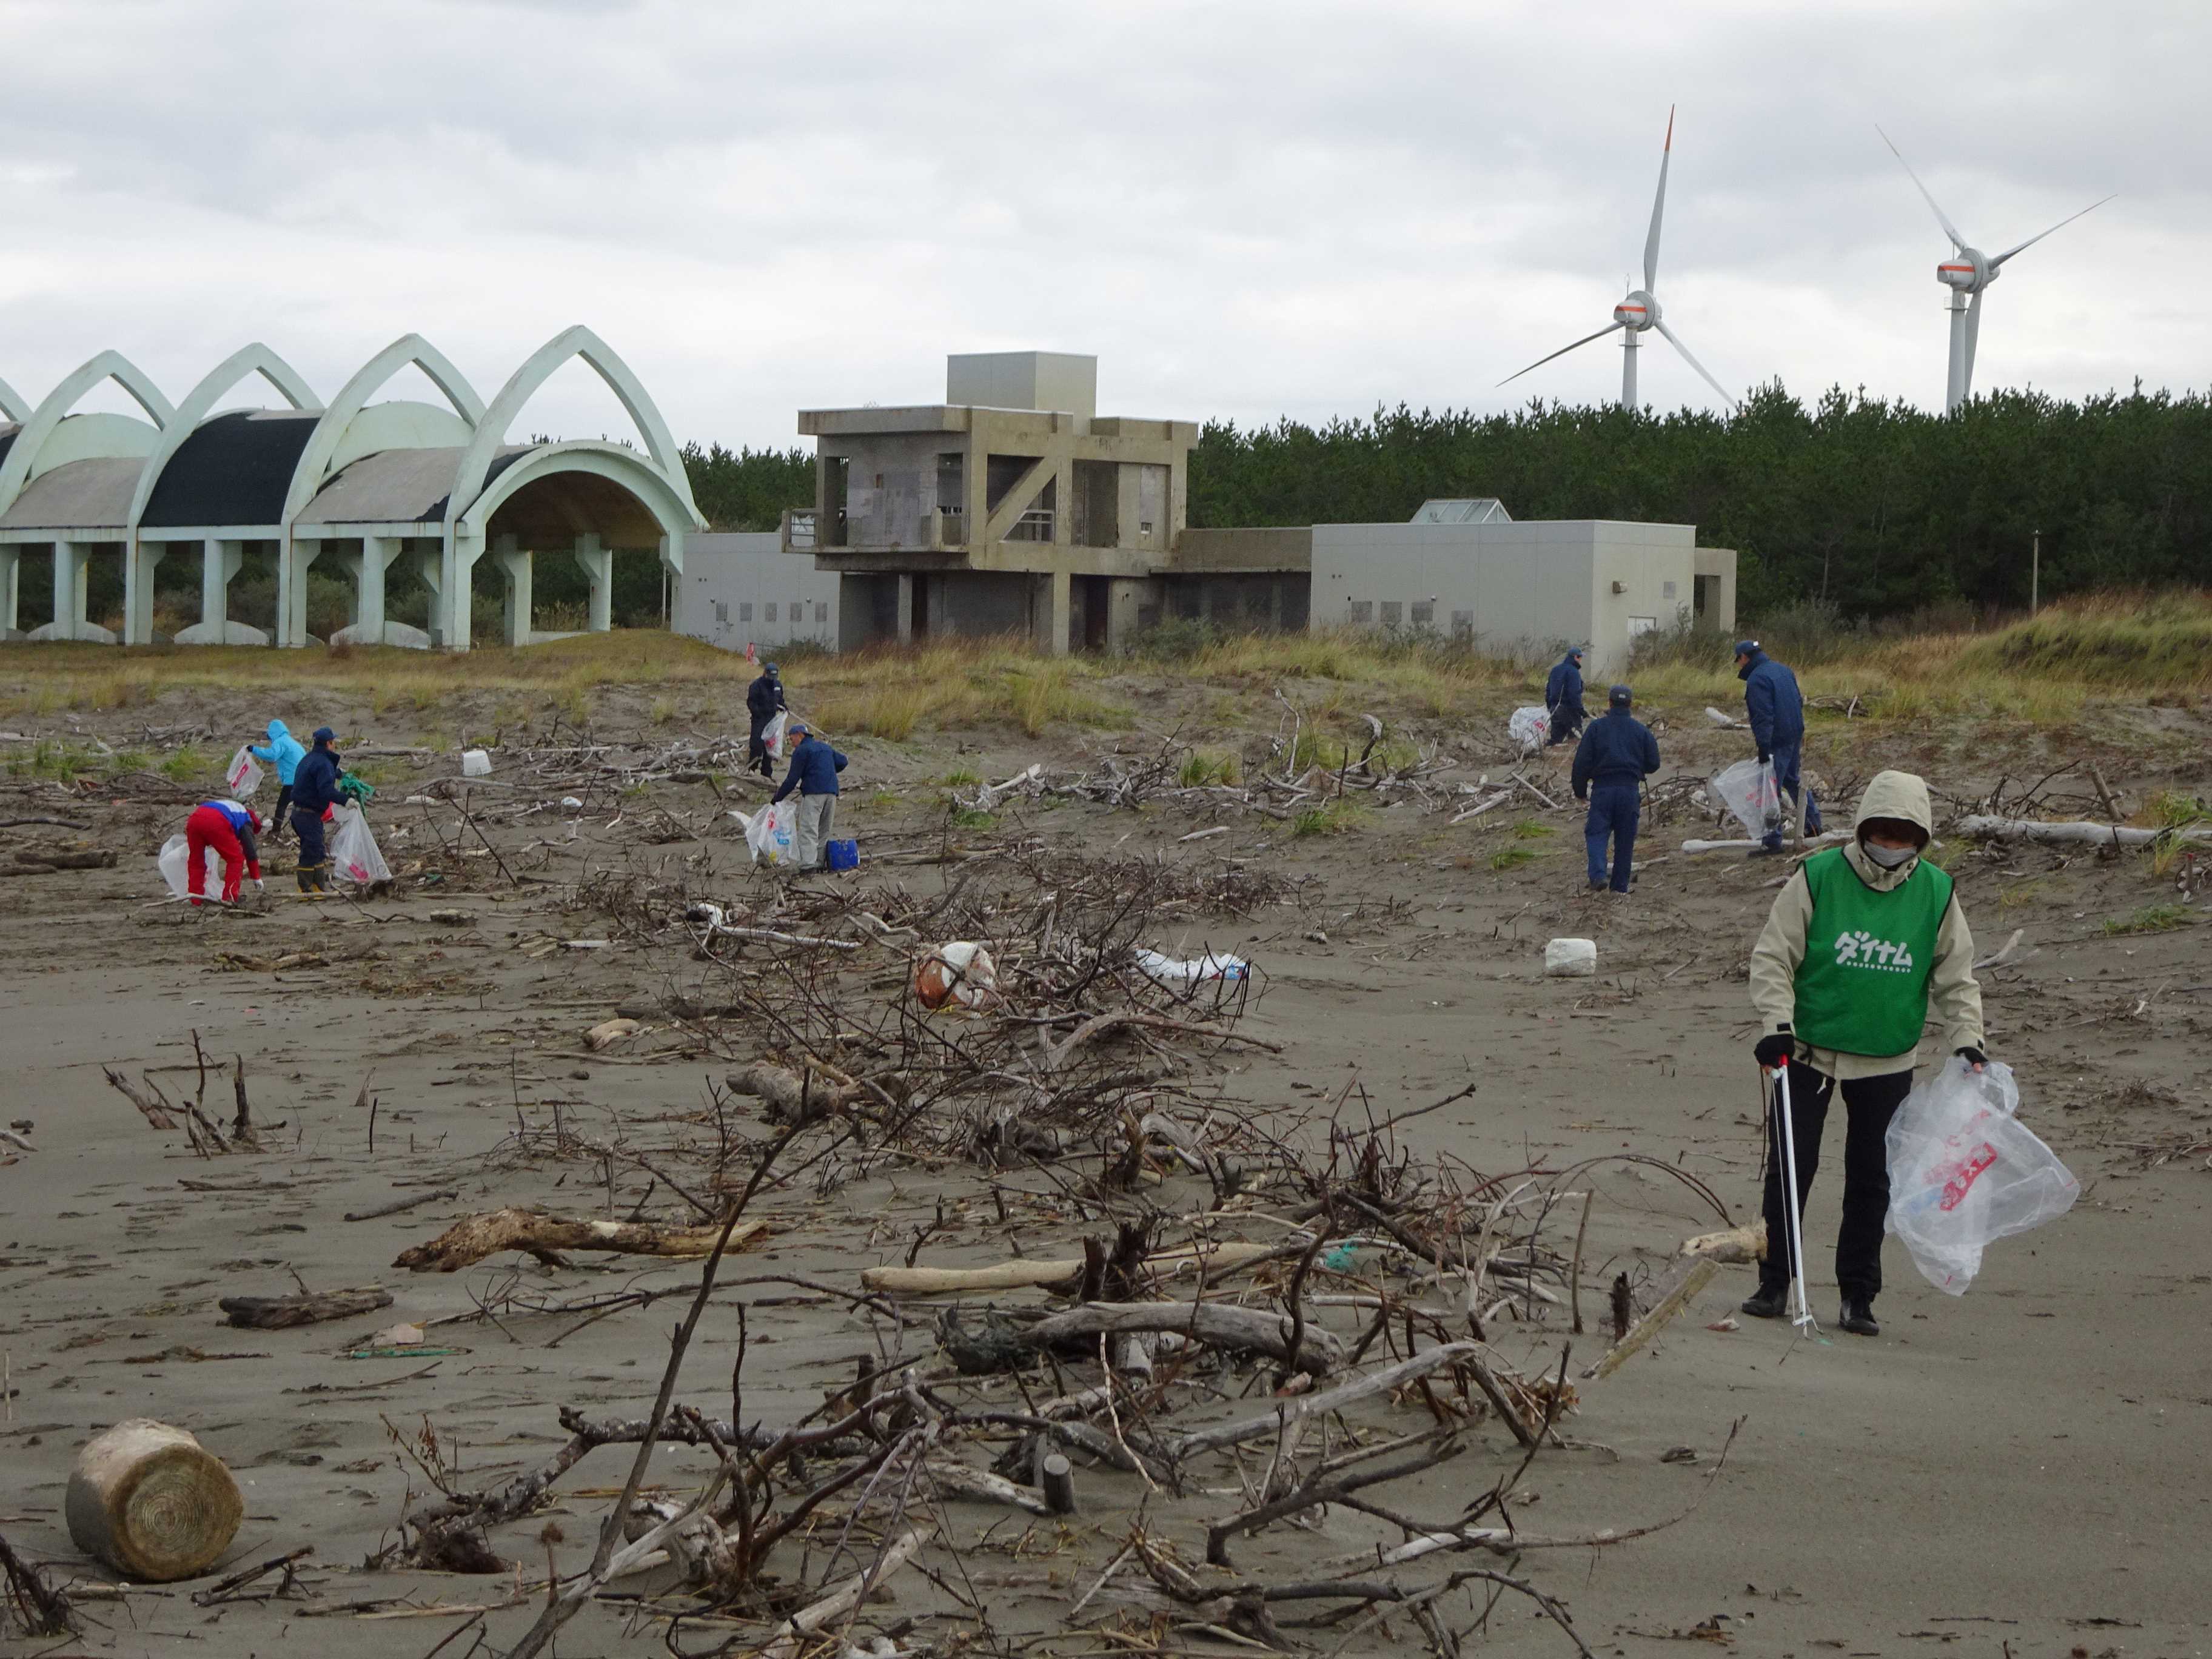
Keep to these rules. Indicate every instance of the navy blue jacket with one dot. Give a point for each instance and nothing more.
(315, 780)
(1772, 701)
(1616, 749)
(762, 698)
(1564, 687)
(814, 768)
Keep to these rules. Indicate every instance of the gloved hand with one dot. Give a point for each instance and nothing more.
(1764, 758)
(258, 886)
(1772, 1049)
(1973, 1056)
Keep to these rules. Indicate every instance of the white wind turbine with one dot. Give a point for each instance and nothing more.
(1968, 272)
(1638, 310)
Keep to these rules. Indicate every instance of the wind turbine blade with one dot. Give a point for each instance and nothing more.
(1563, 351)
(1695, 364)
(1974, 338)
(1658, 207)
(1949, 229)
(2061, 225)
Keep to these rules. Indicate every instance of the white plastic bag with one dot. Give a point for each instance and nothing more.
(1752, 794)
(769, 832)
(1964, 1171)
(960, 976)
(1529, 728)
(772, 734)
(177, 868)
(1166, 970)
(353, 853)
(243, 775)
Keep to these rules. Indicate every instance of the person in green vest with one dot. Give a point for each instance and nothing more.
(1860, 940)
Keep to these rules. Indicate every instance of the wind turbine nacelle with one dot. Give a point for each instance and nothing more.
(1967, 270)
(1637, 312)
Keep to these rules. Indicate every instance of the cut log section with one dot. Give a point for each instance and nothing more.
(1737, 1245)
(152, 1503)
(471, 1240)
(275, 1313)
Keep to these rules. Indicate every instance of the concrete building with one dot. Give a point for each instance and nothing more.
(1012, 506)
(357, 485)
(741, 589)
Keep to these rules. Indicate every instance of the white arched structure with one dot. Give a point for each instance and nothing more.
(368, 482)
(72, 543)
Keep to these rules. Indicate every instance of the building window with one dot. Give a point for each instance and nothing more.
(1363, 612)
(821, 610)
(745, 610)
(1394, 612)
(771, 610)
(1668, 591)
(722, 612)
(798, 611)
(1639, 625)
(1463, 625)
(1424, 613)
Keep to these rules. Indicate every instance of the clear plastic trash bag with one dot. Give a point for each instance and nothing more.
(769, 832)
(355, 855)
(1752, 794)
(1964, 1171)
(1530, 727)
(176, 863)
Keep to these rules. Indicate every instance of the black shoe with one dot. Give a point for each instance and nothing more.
(1597, 887)
(1857, 1317)
(1769, 1303)
(1764, 852)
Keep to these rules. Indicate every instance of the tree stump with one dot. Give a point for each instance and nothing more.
(152, 1503)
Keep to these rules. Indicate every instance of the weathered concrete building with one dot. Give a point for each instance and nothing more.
(741, 589)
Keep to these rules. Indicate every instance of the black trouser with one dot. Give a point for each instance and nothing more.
(284, 807)
(1567, 722)
(1870, 1103)
(756, 756)
(309, 826)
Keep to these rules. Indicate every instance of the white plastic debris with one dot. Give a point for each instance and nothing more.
(1570, 958)
(475, 763)
(1169, 971)
(572, 803)
(243, 775)
(959, 974)
(1530, 727)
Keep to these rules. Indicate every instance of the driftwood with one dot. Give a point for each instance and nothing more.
(788, 1097)
(1736, 1246)
(1832, 838)
(152, 1503)
(1020, 1274)
(2093, 835)
(42, 1610)
(792, 1635)
(1057, 1479)
(1223, 1434)
(275, 1313)
(1676, 1291)
(1218, 1324)
(471, 1240)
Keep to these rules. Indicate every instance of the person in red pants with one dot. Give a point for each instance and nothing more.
(233, 831)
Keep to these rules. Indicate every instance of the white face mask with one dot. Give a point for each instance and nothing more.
(1888, 857)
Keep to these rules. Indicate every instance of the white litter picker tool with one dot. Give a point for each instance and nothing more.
(1793, 1219)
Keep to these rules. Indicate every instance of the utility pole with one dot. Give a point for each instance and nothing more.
(2035, 576)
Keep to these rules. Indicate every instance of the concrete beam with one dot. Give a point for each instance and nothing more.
(1052, 605)
(72, 575)
(11, 591)
(598, 564)
(220, 561)
(1016, 502)
(293, 560)
(516, 568)
(139, 559)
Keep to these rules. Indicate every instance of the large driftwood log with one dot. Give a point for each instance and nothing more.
(474, 1237)
(2094, 834)
(1217, 1323)
(273, 1313)
(1019, 1274)
(152, 1503)
(1736, 1245)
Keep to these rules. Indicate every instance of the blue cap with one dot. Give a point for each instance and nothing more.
(768, 668)
(323, 734)
(1746, 647)
(1620, 696)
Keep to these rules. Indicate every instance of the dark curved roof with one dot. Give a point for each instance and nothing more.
(234, 469)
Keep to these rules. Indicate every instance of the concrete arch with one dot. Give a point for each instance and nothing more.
(651, 485)
(12, 405)
(577, 341)
(42, 420)
(256, 359)
(353, 398)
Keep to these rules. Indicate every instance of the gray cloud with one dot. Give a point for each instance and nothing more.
(1245, 208)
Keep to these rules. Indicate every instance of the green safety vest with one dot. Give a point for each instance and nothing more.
(1863, 986)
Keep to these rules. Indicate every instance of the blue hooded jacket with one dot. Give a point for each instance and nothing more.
(814, 768)
(1773, 702)
(1564, 689)
(284, 750)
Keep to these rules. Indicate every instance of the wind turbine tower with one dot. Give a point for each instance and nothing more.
(1638, 312)
(1967, 273)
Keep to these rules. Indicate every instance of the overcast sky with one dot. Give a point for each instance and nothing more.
(1244, 210)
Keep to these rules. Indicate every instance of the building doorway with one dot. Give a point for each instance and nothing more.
(1093, 595)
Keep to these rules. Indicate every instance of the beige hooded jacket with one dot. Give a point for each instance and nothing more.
(1954, 995)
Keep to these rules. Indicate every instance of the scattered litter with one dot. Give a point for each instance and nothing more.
(585, 943)
(1719, 719)
(475, 763)
(387, 1351)
(453, 918)
(960, 973)
(572, 803)
(608, 1032)
(1570, 958)
(1679, 1454)
(399, 1336)
(1965, 1171)
(1728, 1324)
(1529, 728)
(1169, 971)
(843, 855)
(1752, 794)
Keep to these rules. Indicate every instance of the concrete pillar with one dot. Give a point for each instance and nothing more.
(139, 559)
(453, 587)
(72, 572)
(598, 564)
(292, 562)
(515, 565)
(11, 590)
(906, 583)
(220, 561)
(430, 564)
(377, 557)
(1051, 607)
(1124, 597)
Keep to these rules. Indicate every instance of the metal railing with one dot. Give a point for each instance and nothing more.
(1034, 526)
